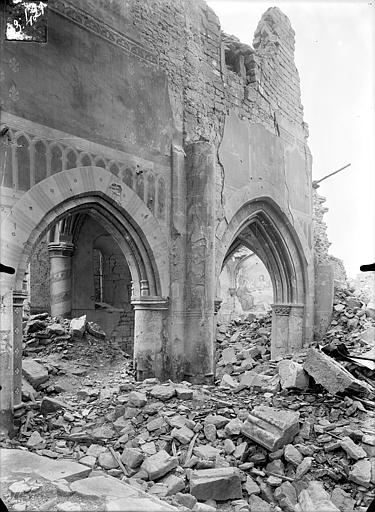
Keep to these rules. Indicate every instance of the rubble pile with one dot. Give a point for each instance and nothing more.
(269, 436)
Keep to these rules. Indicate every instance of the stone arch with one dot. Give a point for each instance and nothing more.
(263, 226)
(111, 201)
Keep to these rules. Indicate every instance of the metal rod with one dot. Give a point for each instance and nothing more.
(332, 173)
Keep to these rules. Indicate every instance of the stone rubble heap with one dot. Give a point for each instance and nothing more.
(268, 436)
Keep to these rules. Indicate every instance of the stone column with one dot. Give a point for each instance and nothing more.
(150, 340)
(6, 362)
(200, 263)
(177, 265)
(18, 299)
(287, 329)
(60, 257)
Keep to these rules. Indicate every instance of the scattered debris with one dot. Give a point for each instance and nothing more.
(292, 434)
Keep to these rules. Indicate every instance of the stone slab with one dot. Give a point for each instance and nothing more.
(315, 498)
(101, 486)
(218, 484)
(137, 505)
(34, 372)
(271, 428)
(159, 464)
(331, 375)
(22, 462)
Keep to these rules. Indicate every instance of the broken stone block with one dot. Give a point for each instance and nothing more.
(233, 427)
(276, 466)
(255, 380)
(228, 355)
(34, 372)
(88, 460)
(95, 330)
(19, 488)
(292, 455)
(361, 473)
(184, 393)
(315, 498)
(35, 325)
(174, 484)
(36, 440)
(304, 467)
(353, 450)
(78, 327)
(331, 375)
(258, 505)
(49, 405)
(229, 446)
(132, 457)
(103, 432)
(218, 484)
(159, 464)
(271, 428)
(163, 392)
(57, 329)
(206, 452)
(240, 450)
(107, 460)
(228, 382)
(95, 450)
(292, 375)
(342, 500)
(217, 420)
(209, 432)
(137, 399)
(251, 487)
(183, 435)
(155, 424)
(186, 500)
(28, 392)
(286, 496)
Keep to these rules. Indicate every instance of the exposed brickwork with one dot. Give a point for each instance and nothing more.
(261, 83)
(321, 242)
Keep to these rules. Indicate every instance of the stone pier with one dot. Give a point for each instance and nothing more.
(200, 263)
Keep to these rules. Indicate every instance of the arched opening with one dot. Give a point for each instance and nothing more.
(261, 228)
(58, 206)
(99, 275)
(245, 287)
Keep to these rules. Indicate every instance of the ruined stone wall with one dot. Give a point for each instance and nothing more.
(209, 73)
(321, 242)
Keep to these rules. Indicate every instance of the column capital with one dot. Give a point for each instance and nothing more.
(19, 297)
(60, 248)
(150, 302)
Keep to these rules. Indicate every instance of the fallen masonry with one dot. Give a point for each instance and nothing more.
(270, 427)
(206, 447)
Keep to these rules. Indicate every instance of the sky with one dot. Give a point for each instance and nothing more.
(335, 56)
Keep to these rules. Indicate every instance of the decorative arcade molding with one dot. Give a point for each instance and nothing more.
(101, 29)
(37, 152)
